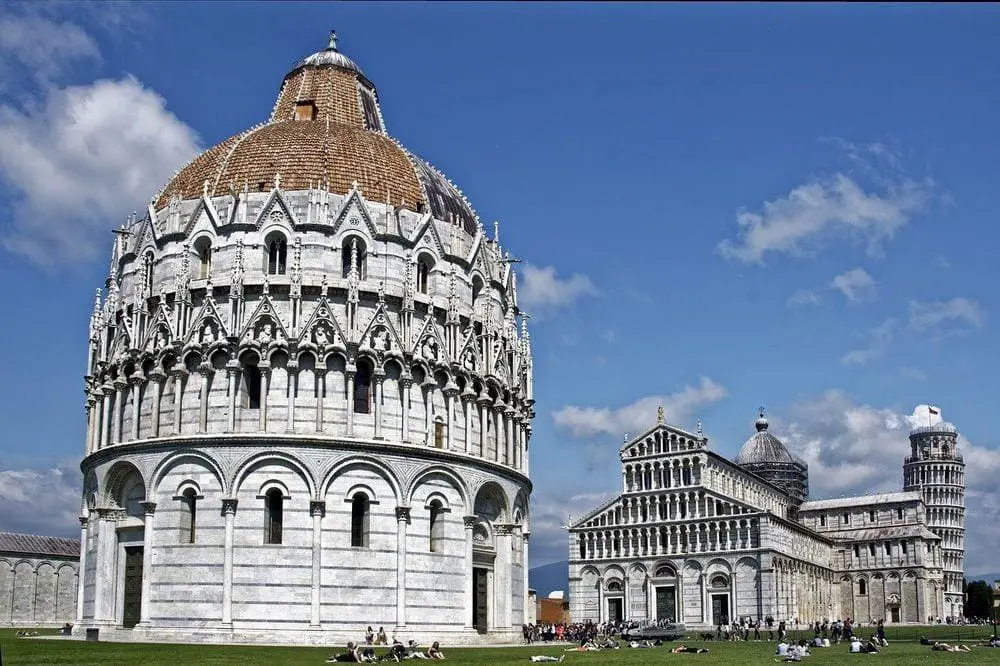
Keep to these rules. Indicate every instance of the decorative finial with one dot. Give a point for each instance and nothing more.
(277, 180)
(332, 45)
(760, 412)
(626, 439)
(700, 430)
(381, 291)
(204, 189)
(761, 423)
(659, 414)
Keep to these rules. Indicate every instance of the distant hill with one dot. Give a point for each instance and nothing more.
(548, 578)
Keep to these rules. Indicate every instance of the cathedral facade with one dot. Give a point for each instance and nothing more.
(697, 538)
(309, 395)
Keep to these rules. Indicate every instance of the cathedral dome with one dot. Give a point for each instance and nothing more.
(326, 131)
(763, 447)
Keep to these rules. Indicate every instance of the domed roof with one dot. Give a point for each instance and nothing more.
(329, 56)
(325, 130)
(763, 447)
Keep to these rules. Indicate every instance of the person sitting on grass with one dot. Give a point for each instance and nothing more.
(871, 646)
(544, 657)
(435, 651)
(353, 655)
(856, 645)
(782, 650)
(684, 649)
(993, 642)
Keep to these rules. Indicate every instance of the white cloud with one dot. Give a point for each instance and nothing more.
(821, 209)
(856, 285)
(40, 501)
(541, 290)
(878, 342)
(854, 448)
(42, 47)
(640, 415)
(802, 298)
(912, 373)
(942, 318)
(81, 158)
(550, 513)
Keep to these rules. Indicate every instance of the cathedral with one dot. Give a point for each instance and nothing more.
(308, 393)
(700, 539)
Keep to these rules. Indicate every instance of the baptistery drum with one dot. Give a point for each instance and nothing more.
(309, 394)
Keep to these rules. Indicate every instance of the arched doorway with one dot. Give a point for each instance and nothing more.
(126, 494)
(665, 586)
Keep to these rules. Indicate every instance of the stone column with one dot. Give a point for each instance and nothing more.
(502, 569)
(407, 382)
(180, 380)
(317, 510)
(293, 388)
(232, 372)
(319, 376)
(627, 597)
(450, 394)
(601, 610)
(650, 599)
(470, 523)
(524, 571)
(149, 509)
(81, 578)
(93, 423)
(377, 380)
(428, 408)
(229, 511)
(265, 385)
(508, 437)
(205, 370)
(468, 405)
(402, 519)
(482, 402)
(350, 402)
(119, 410)
(703, 588)
(136, 407)
(156, 379)
(498, 434)
(105, 562)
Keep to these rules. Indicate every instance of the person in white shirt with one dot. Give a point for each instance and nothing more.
(855, 644)
(782, 649)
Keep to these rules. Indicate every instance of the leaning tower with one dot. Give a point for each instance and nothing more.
(935, 468)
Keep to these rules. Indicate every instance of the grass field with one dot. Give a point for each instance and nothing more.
(904, 650)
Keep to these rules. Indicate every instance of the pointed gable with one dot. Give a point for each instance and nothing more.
(208, 326)
(353, 213)
(264, 326)
(322, 330)
(429, 344)
(380, 335)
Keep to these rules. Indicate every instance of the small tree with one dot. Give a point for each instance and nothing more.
(978, 599)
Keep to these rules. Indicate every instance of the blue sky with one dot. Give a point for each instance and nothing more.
(717, 207)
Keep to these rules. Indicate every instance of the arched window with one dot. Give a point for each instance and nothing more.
(424, 265)
(360, 511)
(273, 511)
(203, 255)
(353, 253)
(477, 289)
(277, 254)
(148, 263)
(251, 386)
(189, 513)
(862, 587)
(436, 526)
(363, 388)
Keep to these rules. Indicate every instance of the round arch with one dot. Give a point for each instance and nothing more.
(361, 462)
(455, 479)
(246, 466)
(115, 479)
(176, 458)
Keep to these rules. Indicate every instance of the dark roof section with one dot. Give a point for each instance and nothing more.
(34, 544)
(447, 203)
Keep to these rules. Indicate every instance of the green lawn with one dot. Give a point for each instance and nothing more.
(77, 653)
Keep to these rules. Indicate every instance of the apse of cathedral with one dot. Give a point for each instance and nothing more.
(699, 539)
(309, 394)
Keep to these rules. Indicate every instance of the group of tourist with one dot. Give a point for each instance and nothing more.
(397, 651)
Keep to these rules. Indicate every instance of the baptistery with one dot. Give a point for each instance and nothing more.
(309, 394)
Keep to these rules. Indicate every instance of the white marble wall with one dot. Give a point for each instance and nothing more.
(37, 591)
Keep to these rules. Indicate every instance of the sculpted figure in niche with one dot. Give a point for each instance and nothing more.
(469, 360)
(265, 335)
(319, 335)
(429, 349)
(161, 339)
(380, 340)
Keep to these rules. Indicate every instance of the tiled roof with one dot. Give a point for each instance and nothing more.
(884, 533)
(863, 500)
(34, 544)
(338, 141)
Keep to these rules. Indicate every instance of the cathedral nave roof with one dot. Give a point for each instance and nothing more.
(861, 500)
